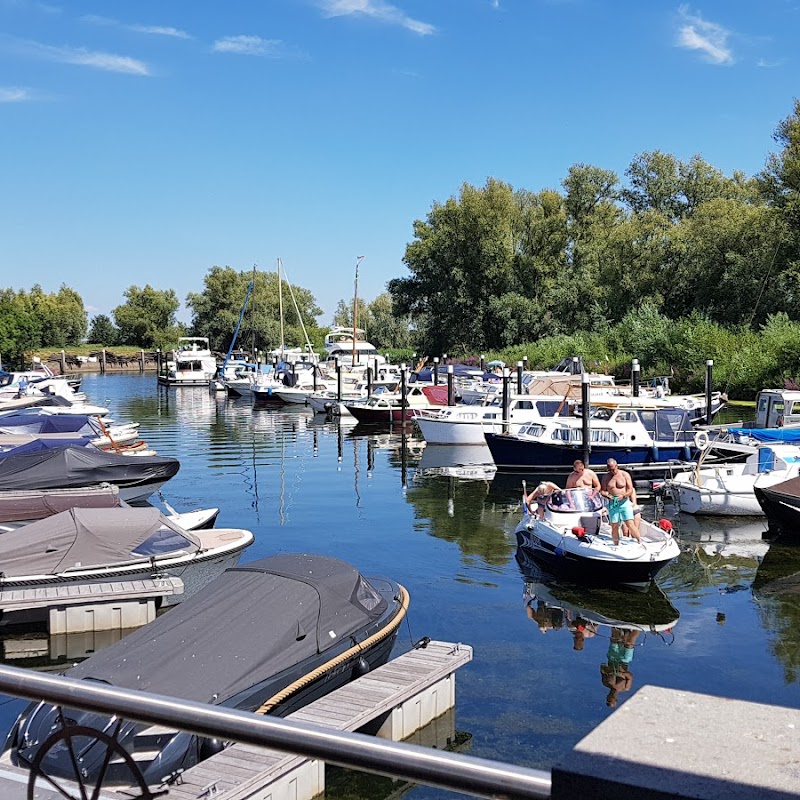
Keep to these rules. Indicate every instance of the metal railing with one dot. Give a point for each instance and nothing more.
(466, 774)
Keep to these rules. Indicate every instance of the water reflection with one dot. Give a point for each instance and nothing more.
(471, 461)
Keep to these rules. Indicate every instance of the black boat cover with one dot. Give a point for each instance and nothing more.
(91, 537)
(250, 623)
(62, 467)
(35, 445)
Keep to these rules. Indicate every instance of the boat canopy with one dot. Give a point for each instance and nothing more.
(277, 612)
(81, 538)
(774, 435)
(81, 466)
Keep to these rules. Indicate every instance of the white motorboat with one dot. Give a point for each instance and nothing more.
(191, 364)
(350, 347)
(467, 424)
(83, 546)
(574, 538)
(728, 488)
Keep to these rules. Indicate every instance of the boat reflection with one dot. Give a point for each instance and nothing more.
(726, 537)
(38, 649)
(618, 620)
(467, 461)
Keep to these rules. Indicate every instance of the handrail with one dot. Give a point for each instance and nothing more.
(475, 776)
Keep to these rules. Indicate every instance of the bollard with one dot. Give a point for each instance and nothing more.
(483, 362)
(709, 384)
(369, 381)
(403, 398)
(338, 381)
(451, 395)
(436, 371)
(103, 362)
(585, 408)
(635, 377)
(141, 361)
(519, 377)
(506, 376)
(63, 362)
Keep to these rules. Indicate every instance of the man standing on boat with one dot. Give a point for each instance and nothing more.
(617, 488)
(582, 477)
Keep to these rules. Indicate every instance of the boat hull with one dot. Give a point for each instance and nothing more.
(711, 501)
(380, 416)
(780, 507)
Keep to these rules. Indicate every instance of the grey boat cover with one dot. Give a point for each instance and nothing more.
(81, 466)
(250, 623)
(87, 537)
(36, 423)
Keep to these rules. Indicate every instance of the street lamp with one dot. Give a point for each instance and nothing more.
(355, 309)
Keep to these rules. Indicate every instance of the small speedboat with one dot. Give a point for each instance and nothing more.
(574, 538)
(266, 637)
(781, 503)
(86, 546)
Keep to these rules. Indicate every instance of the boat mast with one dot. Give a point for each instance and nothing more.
(280, 303)
(355, 311)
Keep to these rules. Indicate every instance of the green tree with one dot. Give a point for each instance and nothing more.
(102, 331)
(387, 328)
(216, 310)
(61, 315)
(20, 329)
(147, 318)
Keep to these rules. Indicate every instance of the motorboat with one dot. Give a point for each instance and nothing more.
(466, 424)
(728, 487)
(269, 636)
(781, 503)
(645, 441)
(191, 364)
(388, 407)
(574, 538)
(60, 467)
(39, 422)
(85, 546)
(349, 346)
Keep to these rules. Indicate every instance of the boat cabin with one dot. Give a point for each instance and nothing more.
(777, 408)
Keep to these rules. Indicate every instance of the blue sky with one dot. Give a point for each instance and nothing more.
(143, 142)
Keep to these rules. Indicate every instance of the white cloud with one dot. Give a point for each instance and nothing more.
(157, 30)
(14, 94)
(709, 38)
(254, 46)
(376, 9)
(109, 62)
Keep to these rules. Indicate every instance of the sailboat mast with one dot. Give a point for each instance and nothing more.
(253, 314)
(280, 303)
(355, 311)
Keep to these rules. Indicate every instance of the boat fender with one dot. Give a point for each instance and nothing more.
(701, 440)
(361, 667)
(579, 531)
(665, 525)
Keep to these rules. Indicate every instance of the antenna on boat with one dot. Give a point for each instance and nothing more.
(355, 311)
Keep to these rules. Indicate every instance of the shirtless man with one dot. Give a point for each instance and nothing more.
(582, 478)
(617, 487)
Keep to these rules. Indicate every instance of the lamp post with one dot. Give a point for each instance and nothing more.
(355, 309)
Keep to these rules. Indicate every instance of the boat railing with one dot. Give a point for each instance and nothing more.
(452, 771)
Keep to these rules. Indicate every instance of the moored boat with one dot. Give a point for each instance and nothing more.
(266, 637)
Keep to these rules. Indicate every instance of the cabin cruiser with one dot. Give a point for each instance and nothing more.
(350, 347)
(191, 364)
(387, 407)
(266, 637)
(574, 538)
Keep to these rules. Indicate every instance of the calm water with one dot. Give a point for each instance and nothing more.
(393, 507)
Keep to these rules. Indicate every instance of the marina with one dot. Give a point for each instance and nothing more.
(444, 528)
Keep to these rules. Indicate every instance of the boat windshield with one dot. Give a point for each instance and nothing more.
(164, 540)
(572, 500)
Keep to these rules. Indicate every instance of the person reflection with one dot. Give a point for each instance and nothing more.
(616, 673)
(547, 618)
(581, 631)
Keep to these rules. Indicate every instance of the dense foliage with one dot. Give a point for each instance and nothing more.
(147, 318)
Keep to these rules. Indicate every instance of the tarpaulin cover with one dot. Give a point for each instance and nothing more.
(81, 466)
(788, 435)
(251, 623)
(49, 423)
(35, 445)
(82, 537)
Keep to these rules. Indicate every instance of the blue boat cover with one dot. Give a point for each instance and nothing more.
(785, 435)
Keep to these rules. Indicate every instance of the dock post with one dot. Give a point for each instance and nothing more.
(635, 377)
(506, 377)
(141, 361)
(369, 381)
(483, 362)
(314, 377)
(103, 361)
(63, 362)
(451, 395)
(519, 377)
(403, 398)
(158, 362)
(525, 363)
(709, 385)
(585, 408)
(338, 381)
(436, 371)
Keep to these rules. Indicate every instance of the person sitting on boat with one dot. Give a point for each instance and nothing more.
(617, 488)
(23, 387)
(582, 477)
(539, 496)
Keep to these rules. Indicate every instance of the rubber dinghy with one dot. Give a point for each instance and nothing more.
(574, 538)
(269, 637)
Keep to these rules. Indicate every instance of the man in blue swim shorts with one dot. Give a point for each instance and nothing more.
(617, 488)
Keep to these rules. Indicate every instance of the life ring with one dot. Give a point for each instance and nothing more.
(701, 440)
(779, 421)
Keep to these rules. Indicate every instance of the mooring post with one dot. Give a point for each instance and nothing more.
(709, 386)
(339, 380)
(483, 362)
(506, 376)
(436, 371)
(403, 398)
(141, 361)
(103, 361)
(519, 377)
(451, 395)
(369, 381)
(635, 376)
(585, 431)
(63, 362)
